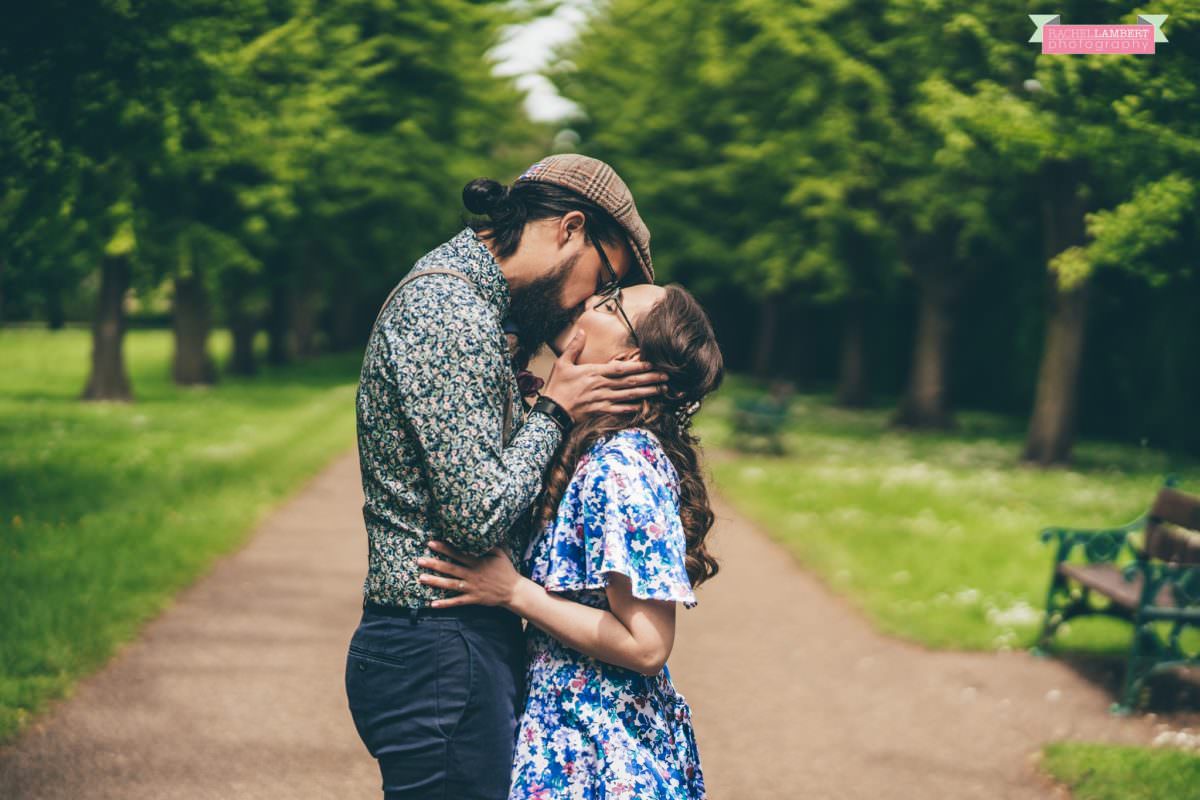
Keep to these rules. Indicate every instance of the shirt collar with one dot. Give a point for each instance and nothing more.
(477, 263)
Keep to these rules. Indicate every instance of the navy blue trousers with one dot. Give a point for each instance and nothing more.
(436, 700)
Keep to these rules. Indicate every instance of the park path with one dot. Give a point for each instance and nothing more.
(235, 692)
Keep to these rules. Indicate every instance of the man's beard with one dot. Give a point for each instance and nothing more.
(537, 308)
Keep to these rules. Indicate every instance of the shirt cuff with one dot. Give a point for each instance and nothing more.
(545, 431)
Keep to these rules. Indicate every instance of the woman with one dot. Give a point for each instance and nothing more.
(623, 519)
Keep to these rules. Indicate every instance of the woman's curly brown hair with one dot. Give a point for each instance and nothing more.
(677, 338)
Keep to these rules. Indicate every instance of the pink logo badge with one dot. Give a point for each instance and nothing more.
(1060, 39)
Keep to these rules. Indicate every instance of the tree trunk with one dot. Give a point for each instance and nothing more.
(1052, 425)
(344, 322)
(305, 315)
(925, 403)
(853, 391)
(243, 328)
(239, 291)
(768, 327)
(56, 317)
(192, 364)
(795, 353)
(278, 326)
(109, 380)
(306, 297)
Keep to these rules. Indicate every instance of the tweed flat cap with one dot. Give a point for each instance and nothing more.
(601, 184)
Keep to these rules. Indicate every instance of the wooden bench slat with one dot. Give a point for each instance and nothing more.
(1172, 505)
(1109, 581)
(1167, 542)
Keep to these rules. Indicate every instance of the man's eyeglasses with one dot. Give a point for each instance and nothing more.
(610, 292)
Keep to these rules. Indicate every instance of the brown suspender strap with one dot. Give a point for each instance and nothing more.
(508, 410)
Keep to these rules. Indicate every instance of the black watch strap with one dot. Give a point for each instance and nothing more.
(555, 412)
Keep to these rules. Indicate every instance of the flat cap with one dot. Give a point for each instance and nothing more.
(601, 184)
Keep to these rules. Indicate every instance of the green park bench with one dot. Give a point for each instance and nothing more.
(761, 419)
(1147, 571)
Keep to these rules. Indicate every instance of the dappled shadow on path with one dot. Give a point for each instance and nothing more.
(1172, 693)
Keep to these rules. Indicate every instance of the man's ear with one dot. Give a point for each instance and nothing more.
(571, 227)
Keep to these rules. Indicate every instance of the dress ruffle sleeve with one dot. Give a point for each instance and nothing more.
(627, 501)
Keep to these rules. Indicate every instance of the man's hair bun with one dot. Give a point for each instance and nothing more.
(483, 195)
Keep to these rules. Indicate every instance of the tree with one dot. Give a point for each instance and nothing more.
(290, 154)
(942, 186)
(387, 109)
(1141, 176)
(98, 91)
(1111, 143)
(752, 145)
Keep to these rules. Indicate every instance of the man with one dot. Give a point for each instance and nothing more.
(446, 453)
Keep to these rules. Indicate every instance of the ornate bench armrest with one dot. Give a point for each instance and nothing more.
(1100, 546)
(1181, 580)
(1185, 580)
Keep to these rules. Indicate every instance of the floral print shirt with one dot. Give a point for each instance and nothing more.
(430, 416)
(592, 730)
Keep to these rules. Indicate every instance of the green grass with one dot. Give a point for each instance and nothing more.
(1110, 772)
(933, 535)
(107, 510)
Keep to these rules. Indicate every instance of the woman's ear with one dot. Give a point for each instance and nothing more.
(630, 354)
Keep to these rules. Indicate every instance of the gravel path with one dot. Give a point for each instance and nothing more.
(236, 691)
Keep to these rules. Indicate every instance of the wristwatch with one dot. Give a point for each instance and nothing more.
(555, 412)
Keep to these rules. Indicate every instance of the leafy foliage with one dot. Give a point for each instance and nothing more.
(293, 142)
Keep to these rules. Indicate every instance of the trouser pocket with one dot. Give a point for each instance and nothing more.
(381, 696)
(454, 679)
(409, 687)
(422, 693)
(433, 701)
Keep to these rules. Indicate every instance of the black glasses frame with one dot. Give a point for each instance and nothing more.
(611, 291)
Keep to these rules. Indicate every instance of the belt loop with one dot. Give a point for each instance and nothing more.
(412, 615)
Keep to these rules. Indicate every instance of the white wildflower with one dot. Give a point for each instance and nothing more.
(1018, 615)
(967, 597)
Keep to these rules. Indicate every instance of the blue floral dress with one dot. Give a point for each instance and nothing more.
(591, 730)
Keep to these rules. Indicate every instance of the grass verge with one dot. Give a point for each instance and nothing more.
(107, 510)
(933, 535)
(1112, 772)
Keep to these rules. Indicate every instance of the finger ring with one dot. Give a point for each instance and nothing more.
(462, 585)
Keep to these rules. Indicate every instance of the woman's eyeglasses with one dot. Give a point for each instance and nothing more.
(610, 292)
